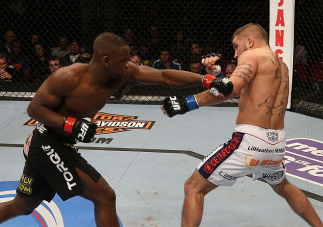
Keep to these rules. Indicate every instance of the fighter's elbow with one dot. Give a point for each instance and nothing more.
(235, 92)
(171, 83)
(31, 110)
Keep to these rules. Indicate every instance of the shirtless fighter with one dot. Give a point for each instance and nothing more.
(261, 80)
(63, 105)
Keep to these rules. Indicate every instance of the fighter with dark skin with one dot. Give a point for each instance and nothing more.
(80, 91)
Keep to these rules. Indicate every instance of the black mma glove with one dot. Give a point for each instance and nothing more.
(179, 105)
(82, 129)
(217, 85)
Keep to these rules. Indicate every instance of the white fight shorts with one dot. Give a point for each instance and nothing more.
(250, 150)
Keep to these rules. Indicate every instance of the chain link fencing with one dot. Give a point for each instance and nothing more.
(307, 92)
(40, 36)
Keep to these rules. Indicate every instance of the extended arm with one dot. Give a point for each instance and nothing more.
(166, 77)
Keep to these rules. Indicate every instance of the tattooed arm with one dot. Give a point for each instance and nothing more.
(245, 71)
(240, 78)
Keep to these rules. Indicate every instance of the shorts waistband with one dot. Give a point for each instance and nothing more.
(46, 130)
(272, 136)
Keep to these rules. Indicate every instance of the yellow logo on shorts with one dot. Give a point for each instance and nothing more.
(25, 184)
(69, 145)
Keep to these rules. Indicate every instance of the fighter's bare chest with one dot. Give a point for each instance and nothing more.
(87, 101)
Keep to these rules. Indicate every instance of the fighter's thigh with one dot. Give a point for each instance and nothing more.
(225, 163)
(94, 191)
(56, 163)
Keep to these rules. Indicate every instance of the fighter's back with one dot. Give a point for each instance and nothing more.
(264, 100)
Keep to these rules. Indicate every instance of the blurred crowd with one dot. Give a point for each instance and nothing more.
(33, 61)
(41, 36)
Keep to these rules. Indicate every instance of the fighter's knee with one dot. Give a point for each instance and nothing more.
(189, 186)
(108, 197)
(24, 206)
(111, 196)
(27, 212)
(282, 187)
(197, 184)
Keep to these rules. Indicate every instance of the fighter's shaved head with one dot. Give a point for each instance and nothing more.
(252, 29)
(106, 44)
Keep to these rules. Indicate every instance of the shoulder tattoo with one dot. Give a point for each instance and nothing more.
(243, 71)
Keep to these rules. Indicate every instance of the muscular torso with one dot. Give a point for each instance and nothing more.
(84, 99)
(264, 100)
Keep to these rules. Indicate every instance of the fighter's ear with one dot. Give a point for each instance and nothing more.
(250, 42)
(106, 61)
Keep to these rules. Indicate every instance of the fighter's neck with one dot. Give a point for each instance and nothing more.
(97, 76)
(262, 45)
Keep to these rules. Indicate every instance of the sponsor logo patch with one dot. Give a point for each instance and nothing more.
(25, 184)
(227, 176)
(272, 136)
(56, 160)
(252, 161)
(274, 177)
(266, 150)
(27, 143)
(41, 128)
(208, 167)
(211, 162)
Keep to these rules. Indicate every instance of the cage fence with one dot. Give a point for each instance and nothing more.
(40, 36)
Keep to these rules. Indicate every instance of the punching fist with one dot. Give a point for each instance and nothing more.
(179, 105)
(210, 62)
(82, 129)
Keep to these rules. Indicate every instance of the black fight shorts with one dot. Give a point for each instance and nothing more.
(51, 159)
